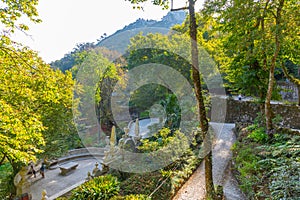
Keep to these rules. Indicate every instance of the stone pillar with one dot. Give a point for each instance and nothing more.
(107, 141)
(137, 128)
(113, 137)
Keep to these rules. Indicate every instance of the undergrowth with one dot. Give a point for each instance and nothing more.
(268, 168)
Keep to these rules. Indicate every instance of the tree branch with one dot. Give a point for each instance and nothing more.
(176, 9)
(3, 158)
(289, 76)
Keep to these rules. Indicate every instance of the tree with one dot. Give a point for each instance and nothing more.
(11, 11)
(140, 54)
(210, 194)
(32, 97)
(97, 76)
(35, 100)
(259, 35)
(73, 58)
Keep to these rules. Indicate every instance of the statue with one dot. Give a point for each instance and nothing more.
(20, 180)
(44, 195)
(89, 176)
(126, 130)
(137, 136)
(96, 170)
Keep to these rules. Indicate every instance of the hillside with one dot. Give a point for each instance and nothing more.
(120, 39)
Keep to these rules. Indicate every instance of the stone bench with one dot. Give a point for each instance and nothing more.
(67, 167)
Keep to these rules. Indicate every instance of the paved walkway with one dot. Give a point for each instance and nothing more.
(194, 188)
(56, 184)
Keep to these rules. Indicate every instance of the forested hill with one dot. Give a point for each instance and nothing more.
(167, 21)
(120, 39)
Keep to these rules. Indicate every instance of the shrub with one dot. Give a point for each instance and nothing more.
(6, 181)
(102, 187)
(145, 184)
(259, 135)
(132, 197)
(245, 162)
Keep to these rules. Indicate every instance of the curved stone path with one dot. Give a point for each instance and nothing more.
(194, 188)
(56, 184)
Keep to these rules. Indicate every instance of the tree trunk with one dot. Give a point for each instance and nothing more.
(268, 111)
(210, 194)
(298, 87)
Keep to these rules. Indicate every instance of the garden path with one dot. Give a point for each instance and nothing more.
(194, 188)
(56, 184)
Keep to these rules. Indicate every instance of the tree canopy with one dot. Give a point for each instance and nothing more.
(35, 100)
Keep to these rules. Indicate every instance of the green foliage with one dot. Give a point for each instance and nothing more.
(145, 184)
(35, 104)
(270, 170)
(258, 130)
(181, 169)
(164, 138)
(259, 135)
(249, 29)
(173, 111)
(104, 74)
(158, 49)
(184, 162)
(163, 3)
(102, 187)
(6, 180)
(11, 11)
(245, 162)
(132, 197)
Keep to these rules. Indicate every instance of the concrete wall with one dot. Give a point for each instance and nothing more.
(231, 111)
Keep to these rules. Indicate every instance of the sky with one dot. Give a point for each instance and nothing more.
(66, 23)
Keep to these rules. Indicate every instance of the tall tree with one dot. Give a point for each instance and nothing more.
(35, 100)
(258, 36)
(210, 194)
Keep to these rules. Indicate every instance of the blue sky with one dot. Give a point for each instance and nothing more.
(69, 22)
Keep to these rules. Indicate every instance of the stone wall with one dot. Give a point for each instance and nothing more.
(289, 91)
(231, 111)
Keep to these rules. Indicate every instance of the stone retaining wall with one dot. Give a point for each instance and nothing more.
(232, 111)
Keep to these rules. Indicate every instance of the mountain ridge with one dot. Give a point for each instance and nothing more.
(119, 40)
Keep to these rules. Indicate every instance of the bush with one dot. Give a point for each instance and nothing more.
(245, 162)
(6, 181)
(259, 135)
(145, 184)
(132, 197)
(102, 188)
